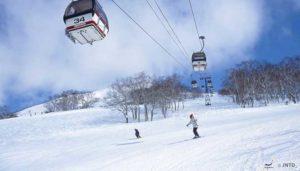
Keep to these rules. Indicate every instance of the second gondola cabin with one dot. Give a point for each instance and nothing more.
(209, 84)
(194, 84)
(199, 61)
(86, 22)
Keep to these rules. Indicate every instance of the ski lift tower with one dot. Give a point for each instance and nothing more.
(207, 89)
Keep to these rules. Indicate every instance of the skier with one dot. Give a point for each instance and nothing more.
(193, 122)
(137, 133)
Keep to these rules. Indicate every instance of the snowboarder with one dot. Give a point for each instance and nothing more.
(137, 133)
(193, 122)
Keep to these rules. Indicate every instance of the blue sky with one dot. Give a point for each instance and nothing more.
(282, 37)
(37, 60)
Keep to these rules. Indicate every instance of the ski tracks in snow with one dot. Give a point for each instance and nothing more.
(234, 139)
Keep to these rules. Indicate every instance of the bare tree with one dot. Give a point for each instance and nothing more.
(144, 92)
(253, 81)
(118, 98)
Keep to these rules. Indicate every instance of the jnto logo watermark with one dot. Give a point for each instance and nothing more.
(287, 165)
(283, 165)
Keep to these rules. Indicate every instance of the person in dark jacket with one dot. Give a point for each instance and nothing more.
(137, 133)
(193, 121)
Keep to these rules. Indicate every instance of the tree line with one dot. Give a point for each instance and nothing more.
(5, 113)
(142, 95)
(70, 100)
(253, 82)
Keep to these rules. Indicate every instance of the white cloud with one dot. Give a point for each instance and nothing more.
(39, 56)
(6, 71)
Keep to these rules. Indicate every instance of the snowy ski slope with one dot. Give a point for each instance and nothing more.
(96, 139)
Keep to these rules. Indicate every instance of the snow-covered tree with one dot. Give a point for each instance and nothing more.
(253, 81)
(70, 100)
(143, 92)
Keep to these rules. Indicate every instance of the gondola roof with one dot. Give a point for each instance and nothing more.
(81, 7)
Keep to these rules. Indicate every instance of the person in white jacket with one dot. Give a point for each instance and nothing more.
(193, 122)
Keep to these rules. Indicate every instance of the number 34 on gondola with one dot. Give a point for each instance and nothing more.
(86, 22)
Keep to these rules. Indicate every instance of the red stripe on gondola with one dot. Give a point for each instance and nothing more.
(88, 23)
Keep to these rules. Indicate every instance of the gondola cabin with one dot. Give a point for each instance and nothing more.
(209, 84)
(207, 102)
(199, 61)
(85, 21)
(194, 84)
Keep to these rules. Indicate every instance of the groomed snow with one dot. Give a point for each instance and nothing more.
(96, 139)
(32, 111)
